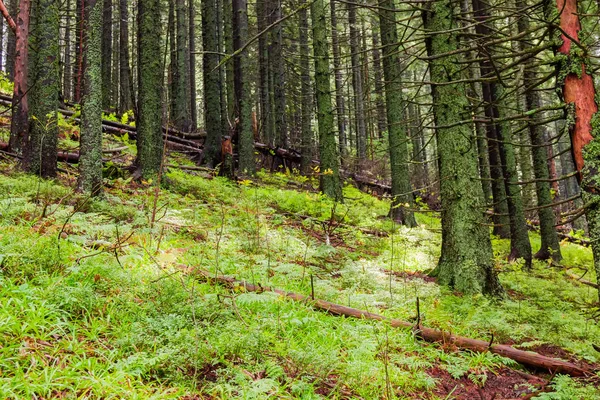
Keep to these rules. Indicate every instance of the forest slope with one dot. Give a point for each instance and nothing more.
(97, 303)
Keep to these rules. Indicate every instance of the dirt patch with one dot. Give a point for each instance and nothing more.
(502, 384)
(411, 275)
(331, 386)
(516, 295)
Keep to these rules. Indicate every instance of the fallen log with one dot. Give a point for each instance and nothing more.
(526, 358)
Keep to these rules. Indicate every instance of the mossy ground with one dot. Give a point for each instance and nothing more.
(95, 303)
(98, 302)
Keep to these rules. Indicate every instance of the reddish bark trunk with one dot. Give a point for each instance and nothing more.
(20, 109)
(577, 91)
(7, 17)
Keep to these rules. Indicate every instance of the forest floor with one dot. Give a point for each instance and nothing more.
(105, 299)
(96, 301)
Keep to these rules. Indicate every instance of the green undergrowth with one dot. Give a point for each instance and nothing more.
(102, 298)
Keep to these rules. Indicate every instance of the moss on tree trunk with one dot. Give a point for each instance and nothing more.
(150, 82)
(330, 166)
(466, 261)
(90, 160)
(402, 198)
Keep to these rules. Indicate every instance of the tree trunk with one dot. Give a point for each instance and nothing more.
(330, 171)
(277, 63)
(19, 124)
(357, 85)
(78, 64)
(126, 99)
(305, 94)
(40, 147)
(181, 111)
(211, 75)
(263, 72)
(67, 67)
(402, 198)
(192, 66)
(150, 78)
(13, 7)
(90, 153)
(379, 96)
(106, 55)
(246, 136)
(550, 247)
(499, 133)
(466, 263)
(578, 92)
(228, 34)
(339, 82)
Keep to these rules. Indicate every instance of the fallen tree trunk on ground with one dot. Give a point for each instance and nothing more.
(527, 358)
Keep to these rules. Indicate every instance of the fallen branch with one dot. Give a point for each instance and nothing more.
(527, 358)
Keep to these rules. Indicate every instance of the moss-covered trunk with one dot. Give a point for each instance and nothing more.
(305, 94)
(402, 198)
(126, 90)
(330, 166)
(182, 118)
(501, 135)
(247, 165)
(339, 84)
(150, 83)
(211, 77)
(40, 146)
(90, 160)
(466, 261)
(357, 84)
(107, 89)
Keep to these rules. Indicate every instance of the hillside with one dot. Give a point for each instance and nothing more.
(98, 301)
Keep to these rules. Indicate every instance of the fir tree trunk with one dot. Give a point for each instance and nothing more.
(500, 134)
(263, 72)
(11, 42)
(211, 75)
(192, 66)
(330, 175)
(550, 247)
(305, 94)
(67, 67)
(228, 34)
(357, 85)
(40, 147)
(19, 124)
(78, 64)
(90, 153)
(379, 96)
(277, 63)
(339, 82)
(181, 111)
(246, 136)
(402, 198)
(126, 98)
(578, 93)
(466, 262)
(106, 55)
(150, 78)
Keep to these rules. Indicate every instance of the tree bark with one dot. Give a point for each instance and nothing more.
(357, 85)
(13, 7)
(106, 55)
(339, 82)
(19, 124)
(247, 165)
(40, 146)
(578, 93)
(125, 81)
(90, 153)
(330, 171)
(305, 94)
(211, 75)
(402, 198)
(150, 78)
(466, 263)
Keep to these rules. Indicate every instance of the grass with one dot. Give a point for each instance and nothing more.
(94, 303)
